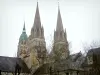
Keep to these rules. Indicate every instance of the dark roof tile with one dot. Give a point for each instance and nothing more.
(7, 64)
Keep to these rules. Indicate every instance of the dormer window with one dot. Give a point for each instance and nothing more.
(90, 60)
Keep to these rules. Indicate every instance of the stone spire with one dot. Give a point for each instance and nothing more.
(59, 21)
(24, 30)
(36, 31)
(37, 21)
(59, 33)
(60, 46)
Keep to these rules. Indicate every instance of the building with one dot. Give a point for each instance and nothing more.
(92, 62)
(33, 58)
(32, 49)
(12, 65)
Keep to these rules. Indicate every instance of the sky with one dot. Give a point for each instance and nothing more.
(79, 17)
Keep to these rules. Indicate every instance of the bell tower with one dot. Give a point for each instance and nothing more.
(60, 46)
(22, 45)
(36, 40)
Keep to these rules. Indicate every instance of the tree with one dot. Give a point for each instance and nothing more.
(87, 47)
(92, 57)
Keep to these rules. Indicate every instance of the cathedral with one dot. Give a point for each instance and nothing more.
(34, 59)
(32, 50)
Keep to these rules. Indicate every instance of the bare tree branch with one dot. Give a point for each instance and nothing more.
(87, 47)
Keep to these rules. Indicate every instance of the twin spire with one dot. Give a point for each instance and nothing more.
(37, 30)
(37, 21)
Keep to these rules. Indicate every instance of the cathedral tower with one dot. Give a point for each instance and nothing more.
(36, 40)
(37, 30)
(22, 45)
(60, 46)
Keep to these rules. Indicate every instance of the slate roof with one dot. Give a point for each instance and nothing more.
(7, 64)
(96, 51)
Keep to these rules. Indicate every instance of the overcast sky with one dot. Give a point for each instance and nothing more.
(81, 18)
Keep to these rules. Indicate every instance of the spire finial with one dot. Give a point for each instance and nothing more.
(24, 27)
(58, 4)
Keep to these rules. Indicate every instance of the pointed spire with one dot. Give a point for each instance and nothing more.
(59, 34)
(24, 30)
(37, 22)
(23, 36)
(59, 20)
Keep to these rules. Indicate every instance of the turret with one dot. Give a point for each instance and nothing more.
(23, 36)
(22, 42)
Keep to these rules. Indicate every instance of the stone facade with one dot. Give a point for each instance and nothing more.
(33, 49)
